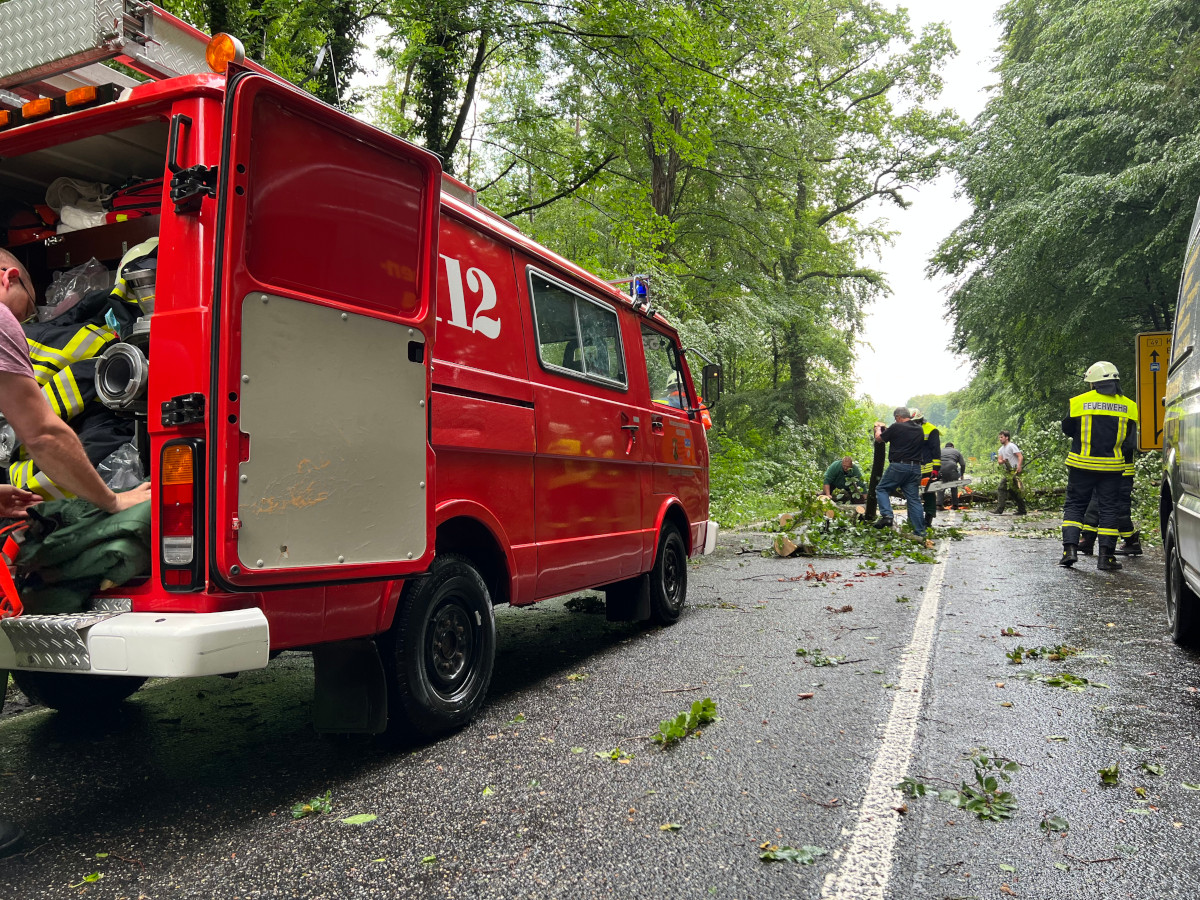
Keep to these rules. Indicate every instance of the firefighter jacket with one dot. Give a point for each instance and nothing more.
(63, 352)
(1103, 432)
(931, 449)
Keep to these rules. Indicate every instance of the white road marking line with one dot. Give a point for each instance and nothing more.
(866, 865)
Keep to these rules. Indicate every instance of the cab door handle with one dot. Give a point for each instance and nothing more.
(656, 424)
(631, 428)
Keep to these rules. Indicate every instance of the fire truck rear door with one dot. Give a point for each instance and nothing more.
(321, 468)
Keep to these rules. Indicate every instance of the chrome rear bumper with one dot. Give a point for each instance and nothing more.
(168, 645)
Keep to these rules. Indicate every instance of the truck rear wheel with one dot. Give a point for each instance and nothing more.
(70, 692)
(668, 578)
(440, 652)
(1183, 607)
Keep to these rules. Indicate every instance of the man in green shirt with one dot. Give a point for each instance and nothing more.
(845, 477)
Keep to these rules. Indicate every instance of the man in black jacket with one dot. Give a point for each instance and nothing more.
(906, 441)
(954, 467)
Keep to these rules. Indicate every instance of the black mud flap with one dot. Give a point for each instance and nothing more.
(350, 689)
(628, 601)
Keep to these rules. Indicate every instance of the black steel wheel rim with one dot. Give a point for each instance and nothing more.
(451, 647)
(673, 575)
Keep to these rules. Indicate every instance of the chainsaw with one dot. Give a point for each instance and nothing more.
(944, 485)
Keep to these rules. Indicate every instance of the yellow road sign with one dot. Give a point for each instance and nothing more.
(1153, 352)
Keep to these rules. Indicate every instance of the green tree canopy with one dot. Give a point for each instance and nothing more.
(1083, 171)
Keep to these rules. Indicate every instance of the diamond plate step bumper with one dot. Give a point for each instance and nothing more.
(169, 645)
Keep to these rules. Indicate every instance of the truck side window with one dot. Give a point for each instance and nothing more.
(663, 370)
(576, 333)
(1189, 289)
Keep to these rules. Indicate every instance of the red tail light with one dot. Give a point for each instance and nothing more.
(180, 515)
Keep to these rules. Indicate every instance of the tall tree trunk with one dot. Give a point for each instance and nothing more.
(218, 16)
(798, 374)
(664, 171)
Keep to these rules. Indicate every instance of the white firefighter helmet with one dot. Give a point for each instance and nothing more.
(1101, 371)
(915, 414)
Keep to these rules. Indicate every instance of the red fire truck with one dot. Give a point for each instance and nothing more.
(377, 409)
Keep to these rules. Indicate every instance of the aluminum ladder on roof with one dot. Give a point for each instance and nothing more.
(48, 47)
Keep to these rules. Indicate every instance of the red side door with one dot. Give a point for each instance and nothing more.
(321, 468)
(590, 434)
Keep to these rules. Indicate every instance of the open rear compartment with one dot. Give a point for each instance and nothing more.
(83, 216)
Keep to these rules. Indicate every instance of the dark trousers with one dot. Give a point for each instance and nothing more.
(905, 477)
(1082, 484)
(1010, 488)
(953, 492)
(1091, 518)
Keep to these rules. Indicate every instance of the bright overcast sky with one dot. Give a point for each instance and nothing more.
(904, 351)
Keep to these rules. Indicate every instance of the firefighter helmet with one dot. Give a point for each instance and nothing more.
(915, 414)
(1101, 371)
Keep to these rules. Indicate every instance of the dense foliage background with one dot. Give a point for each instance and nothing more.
(736, 152)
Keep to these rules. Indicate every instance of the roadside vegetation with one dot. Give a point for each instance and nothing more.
(737, 155)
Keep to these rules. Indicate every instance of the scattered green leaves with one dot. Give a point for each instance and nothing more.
(319, 804)
(1064, 680)
(1152, 768)
(1190, 786)
(1057, 653)
(88, 879)
(1054, 824)
(1110, 774)
(577, 676)
(805, 855)
(429, 860)
(488, 791)
(669, 826)
(687, 722)
(360, 819)
(910, 787)
(616, 754)
(818, 659)
(985, 798)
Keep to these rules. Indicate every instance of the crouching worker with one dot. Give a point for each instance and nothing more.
(844, 481)
(49, 440)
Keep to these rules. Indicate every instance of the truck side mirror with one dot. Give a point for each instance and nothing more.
(713, 380)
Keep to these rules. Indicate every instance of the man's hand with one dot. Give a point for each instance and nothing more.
(14, 501)
(132, 497)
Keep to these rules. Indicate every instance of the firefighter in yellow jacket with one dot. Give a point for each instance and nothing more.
(1102, 426)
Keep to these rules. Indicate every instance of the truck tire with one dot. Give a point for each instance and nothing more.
(668, 578)
(70, 692)
(1183, 607)
(439, 653)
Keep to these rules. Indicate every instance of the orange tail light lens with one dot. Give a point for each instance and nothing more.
(180, 515)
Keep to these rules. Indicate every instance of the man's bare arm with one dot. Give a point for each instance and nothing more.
(55, 447)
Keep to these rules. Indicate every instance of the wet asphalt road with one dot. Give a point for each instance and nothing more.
(188, 792)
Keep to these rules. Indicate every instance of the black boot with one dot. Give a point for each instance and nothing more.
(1131, 546)
(1087, 543)
(1105, 560)
(884, 522)
(1068, 558)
